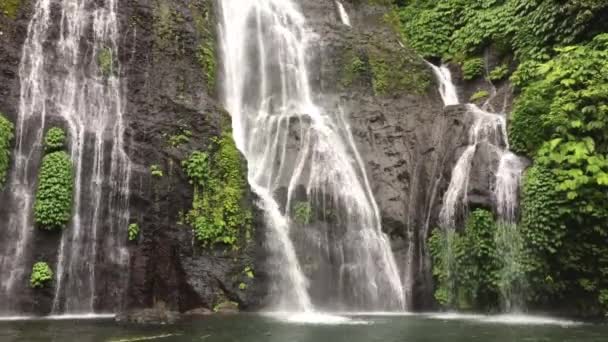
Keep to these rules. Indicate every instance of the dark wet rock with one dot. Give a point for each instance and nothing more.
(156, 315)
(226, 307)
(198, 312)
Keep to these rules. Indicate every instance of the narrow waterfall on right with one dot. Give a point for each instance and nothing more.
(487, 152)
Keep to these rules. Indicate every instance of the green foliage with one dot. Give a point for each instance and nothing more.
(133, 231)
(248, 272)
(105, 61)
(466, 265)
(472, 68)
(391, 74)
(156, 171)
(499, 73)
(451, 29)
(10, 8)
(181, 138)
(479, 95)
(6, 139)
(207, 60)
(353, 70)
(53, 206)
(219, 213)
(54, 140)
(303, 212)
(41, 275)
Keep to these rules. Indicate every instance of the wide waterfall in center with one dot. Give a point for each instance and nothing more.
(328, 251)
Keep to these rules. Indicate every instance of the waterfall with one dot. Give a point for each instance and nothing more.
(343, 14)
(491, 129)
(63, 81)
(304, 150)
(447, 89)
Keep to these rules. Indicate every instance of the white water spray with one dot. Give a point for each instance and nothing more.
(292, 143)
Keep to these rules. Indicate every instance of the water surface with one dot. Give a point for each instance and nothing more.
(358, 328)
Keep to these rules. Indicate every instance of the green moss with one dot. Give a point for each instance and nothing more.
(10, 8)
(472, 68)
(166, 21)
(41, 275)
(219, 214)
(207, 60)
(354, 69)
(479, 95)
(6, 138)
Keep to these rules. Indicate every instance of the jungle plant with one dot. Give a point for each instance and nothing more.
(41, 275)
(6, 138)
(479, 95)
(156, 171)
(54, 140)
(105, 61)
(133, 231)
(303, 212)
(53, 206)
(219, 214)
(472, 68)
(499, 73)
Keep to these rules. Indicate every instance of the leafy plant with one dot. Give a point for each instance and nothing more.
(466, 265)
(181, 138)
(248, 272)
(53, 206)
(6, 138)
(133, 231)
(472, 68)
(156, 171)
(54, 140)
(219, 214)
(41, 275)
(303, 212)
(479, 95)
(208, 62)
(105, 61)
(499, 73)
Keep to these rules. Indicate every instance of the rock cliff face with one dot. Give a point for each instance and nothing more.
(407, 139)
(171, 94)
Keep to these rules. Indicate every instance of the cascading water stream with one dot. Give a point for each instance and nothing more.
(296, 147)
(66, 79)
(447, 89)
(343, 14)
(491, 129)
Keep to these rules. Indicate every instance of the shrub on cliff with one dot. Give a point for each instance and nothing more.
(41, 275)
